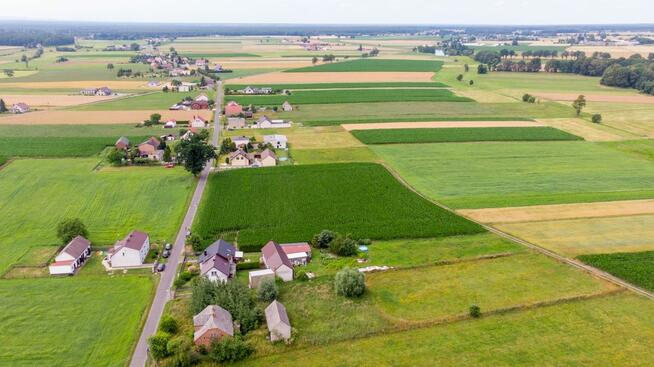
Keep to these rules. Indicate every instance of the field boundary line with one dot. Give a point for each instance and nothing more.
(575, 263)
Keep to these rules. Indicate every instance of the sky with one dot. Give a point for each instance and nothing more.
(509, 12)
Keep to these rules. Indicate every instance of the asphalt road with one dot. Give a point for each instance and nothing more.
(164, 288)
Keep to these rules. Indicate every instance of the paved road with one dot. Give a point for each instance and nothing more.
(163, 294)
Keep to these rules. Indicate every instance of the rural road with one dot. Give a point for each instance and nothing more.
(164, 288)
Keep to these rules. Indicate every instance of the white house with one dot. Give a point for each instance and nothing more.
(240, 141)
(170, 124)
(202, 98)
(256, 277)
(278, 324)
(218, 261)
(130, 251)
(276, 260)
(277, 141)
(71, 257)
(20, 108)
(287, 107)
(198, 122)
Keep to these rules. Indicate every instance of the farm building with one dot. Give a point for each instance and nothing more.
(20, 108)
(240, 141)
(218, 261)
(150, 149)
(198, 122)
(297, 253)
(170, 124)
(88, 91)
(278, 324)
(213, 323)
(71, 257)
(287, 107)
(104, 91)
(235, 123)
(233, 109)
(130, 251)
(122, 143)
(199, 105)
(256, 277)
(266, 123)
(277, 141)
(255, 90)
(276, 260)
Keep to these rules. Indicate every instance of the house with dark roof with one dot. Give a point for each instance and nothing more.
(130, 251)
(218, 261)
(211, 324)
(122, 143)
(278, 324)
(275, 259)
(72, 257)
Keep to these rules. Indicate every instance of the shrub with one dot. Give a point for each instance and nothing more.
(70, 228)
(248, 266)
(268, 291)
(168, 325)
(475, 311)
(349, 283)
(459, 77)
(343, 246)
(596, 118)
(301, 275)
(525, 97)
(159, 345)
(482, 69)
(229, 350)
(195, 241)
(322, 239)
(182, 353)
(471, 82)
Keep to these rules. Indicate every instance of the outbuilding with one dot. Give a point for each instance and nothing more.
(279, 325)
(276, 260)
(256, 277)
(72, 257)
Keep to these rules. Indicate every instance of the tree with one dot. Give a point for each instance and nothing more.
(459, 77)
(579, 104)
(314, 60)
(155, 119)
(596, 118)
(110, 66)
(159, 345)
(466, 68)
(234, 297)
(70, 228)
(268, 291)
(167, 154)
(195, 153)
(227, 146)
(227, 350)
(3, 106)
(482, 69)
(322, 239)
(9, 72)
(134, 47)
(471, 82)
(25, 60)
(475, 311)
(166, 89)
(343, 246)
(349, 283)
(116, 156)
(195, 241)
(168, 325)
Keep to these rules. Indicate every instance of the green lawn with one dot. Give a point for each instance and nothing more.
(445, 135)
(150, 101)
(295, 202)
(342, 85)
(614, 330)
(36, 194)
(81, 321)
(481, 175)
(634, 267)
(366, 65)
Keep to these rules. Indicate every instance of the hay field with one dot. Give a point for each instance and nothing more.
(55, 117)
(640, 98)
(560, 211)
(335, 77)
(616, 51)
(258, 63)
(634, 118)
(588, 130)
(439, 125)
(52, 100)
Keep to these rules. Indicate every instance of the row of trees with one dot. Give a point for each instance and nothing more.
(639, 76)
(531, 66)
(32, 38)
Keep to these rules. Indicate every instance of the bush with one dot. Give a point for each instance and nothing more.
(229, 350)
(482, 69)
(322, 239)
(268, 291)
(301, 275)
(248, 266)
(343, 246)
(349, 283)
(159, 345)
(196, 242)
(596, 118)
(526, 97)
(168, 325)
(68, 229)
(182, 353)
(475, 311)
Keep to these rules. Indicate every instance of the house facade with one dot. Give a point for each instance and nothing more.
(256, 277)
(287, 107)
(130, 251)
(198, 122)
(150, 149)
(72, 257)
(277, 141)
(240, 141)
(122, 143)
(275, 259)
(20, 108)
(218, 261)
(298, 254)
(235, 123)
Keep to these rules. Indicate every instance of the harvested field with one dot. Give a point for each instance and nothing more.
(52, 100)
(587, 130)
(113, 84)
(364, 77)
(560, 211)
(616, 51)
(267, 64)
(439, 124)
(367, 65)
(96, 117)
(597, 97)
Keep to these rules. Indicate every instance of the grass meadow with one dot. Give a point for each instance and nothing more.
(295, 202)
(57, 146)
(447, 135)
(634, 267)
(36, 194)
(342, 85)
(149, 101)
(336, 155)
(484, 175)
(374, 65)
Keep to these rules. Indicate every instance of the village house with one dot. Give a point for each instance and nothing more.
(267, 158)
(257, 277)
(168, 137)
(287, 107)
(239, 158)
(218, 261)
(264, 122)
(190, 132)
(278, 324)
(235, 123)
(150, 149)
(212, 324)
(170, 124)
(275, 259)
(122, 143)
(71, 257)
(198, 122)
(199, 105)
(202, 98)
(201, 62)
(277, 141)
(240, 141)
(20, 108)
(299, 254)
(130, 251)
(254, 90)
(233, 109)
(88, 91)
(104, 91)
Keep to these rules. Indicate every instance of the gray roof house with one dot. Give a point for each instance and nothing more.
(278, 324)
(218, 261)
(212, 323)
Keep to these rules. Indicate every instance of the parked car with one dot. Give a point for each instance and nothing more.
(165, 254)
(168, 246)
(161, 267)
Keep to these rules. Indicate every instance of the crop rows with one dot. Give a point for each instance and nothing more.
(444, 135)
(374, 65)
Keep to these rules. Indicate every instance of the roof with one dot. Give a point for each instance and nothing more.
(292, 248)
(268, 153)
(77, 246)
(233, 103)
(240, 138)
(275, 315)
(274, 256)
(216, 262)
(263, 118)
(134, 240)
(256, 273)
(235, 154)
(199, 118)
(213, 317)
(275, 137)
(123, 140)
(220, 247)
(21, 105)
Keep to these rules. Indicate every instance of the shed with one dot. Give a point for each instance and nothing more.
(256, 277)
(278, 324)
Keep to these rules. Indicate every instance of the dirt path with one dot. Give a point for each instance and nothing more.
(439, 125)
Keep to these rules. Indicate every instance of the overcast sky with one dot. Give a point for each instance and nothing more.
(339, 11)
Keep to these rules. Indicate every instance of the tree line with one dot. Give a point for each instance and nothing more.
(32, 38)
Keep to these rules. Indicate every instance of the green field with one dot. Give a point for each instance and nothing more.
(333, 96)
(342, 85)
(482, 175)
(634, 267)
(82, 321)
(336, 155)
(372, 65)
(149, 101)
(57, 146)
(80, 131)
(295, 202)
(215, 55)
(36, 194)
(567, 334)
(519, 48)
(445, 135)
